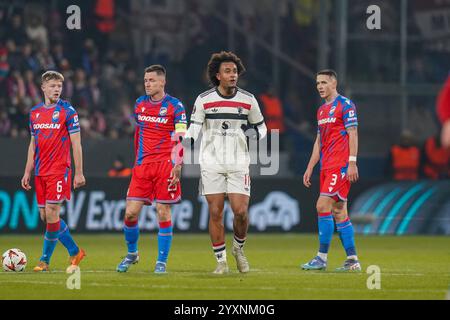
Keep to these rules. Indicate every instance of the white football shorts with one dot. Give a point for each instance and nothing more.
(224, 179)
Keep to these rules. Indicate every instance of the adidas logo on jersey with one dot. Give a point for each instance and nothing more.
(152, 119)
(46, 126)
(326, 120)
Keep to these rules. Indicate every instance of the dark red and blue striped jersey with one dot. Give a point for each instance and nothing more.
(333, 120)
(156, 122)
(51, 127)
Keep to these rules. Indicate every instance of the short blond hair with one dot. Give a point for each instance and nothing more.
(52, 75)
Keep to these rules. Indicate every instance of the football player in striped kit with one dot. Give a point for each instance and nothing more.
(226, 115)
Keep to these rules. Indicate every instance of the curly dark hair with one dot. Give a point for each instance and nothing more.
(215, 62)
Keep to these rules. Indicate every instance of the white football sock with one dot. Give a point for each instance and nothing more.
(323, 256)
(221, 256)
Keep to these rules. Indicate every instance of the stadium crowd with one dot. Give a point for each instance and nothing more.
(33, 41)
(102, 63)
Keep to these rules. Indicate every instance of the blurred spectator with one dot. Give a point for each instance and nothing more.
(37, 32)
(5, 123)
(45, 59)
(272, 109)
(89, 57)
(17, 30)
(85, 124)
(94, 94)
(14, 57)
(68, 86)
(28, 60)
(32, 91)
(4, 65)
(98, 124)
(81, 95)
(404, 159)
(3, 22)
(19, 118)
(56, 25)
(125, 122)
(443, 111)
(118, 169)
(105, 22)
(105, 16)
(436, 159)
(15, 88)
(130, 80)
(57, 51)
(421, 119)
(300, 133)
(305, 11)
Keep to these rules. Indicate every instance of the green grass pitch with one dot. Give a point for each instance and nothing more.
(411, 268)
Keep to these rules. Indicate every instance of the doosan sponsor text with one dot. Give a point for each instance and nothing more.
(46, 126)
(152, 119)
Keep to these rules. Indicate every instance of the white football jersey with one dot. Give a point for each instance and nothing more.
(220, 119)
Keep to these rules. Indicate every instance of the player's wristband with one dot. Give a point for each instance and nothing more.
(352, 158)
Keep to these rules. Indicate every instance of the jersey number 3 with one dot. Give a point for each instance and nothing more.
(333, 180)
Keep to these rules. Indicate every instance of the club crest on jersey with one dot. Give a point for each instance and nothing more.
(163, 111)
(240, 110)
(55, 116)
(333, 108)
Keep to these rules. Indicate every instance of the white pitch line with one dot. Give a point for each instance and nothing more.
(150, 286)
(153, 286)
(149, 272)
(253, 271)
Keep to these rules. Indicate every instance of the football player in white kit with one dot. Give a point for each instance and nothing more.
(226, 115)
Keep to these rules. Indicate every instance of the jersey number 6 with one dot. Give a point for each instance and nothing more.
(59, 186)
